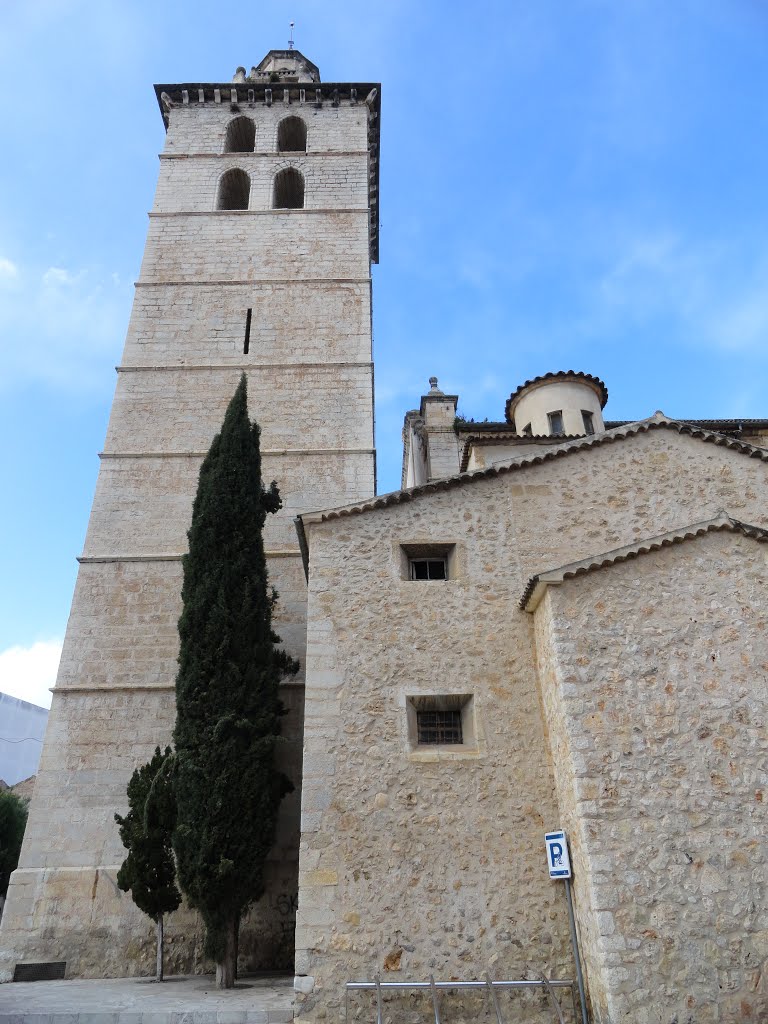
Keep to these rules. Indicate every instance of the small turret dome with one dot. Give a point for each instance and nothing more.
(565, 402)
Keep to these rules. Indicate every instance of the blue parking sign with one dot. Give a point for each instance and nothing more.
(558, 861)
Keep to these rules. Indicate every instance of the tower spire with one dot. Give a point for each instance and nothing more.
(290, 41)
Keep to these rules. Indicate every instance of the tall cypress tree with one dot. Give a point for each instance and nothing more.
(13, 821)
(149, 872)
(228, 709)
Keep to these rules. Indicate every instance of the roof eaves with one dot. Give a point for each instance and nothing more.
(484, 440)
(553, 375)
(716, 425)
(537, 585)
(301, 533)
(657, 422)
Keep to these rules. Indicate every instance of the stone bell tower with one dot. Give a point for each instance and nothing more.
(257, 260)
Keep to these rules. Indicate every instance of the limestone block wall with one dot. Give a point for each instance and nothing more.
(137, 602)
(301, 403)
(196, 129)
(147, 500)
(653, 679)
(249, 245)
(338, 182)
(292, 322)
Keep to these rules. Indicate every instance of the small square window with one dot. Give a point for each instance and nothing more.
(589, 424)
(429, 568)
(441, 720)
(555, 421)
(439, 726)
(427, 561)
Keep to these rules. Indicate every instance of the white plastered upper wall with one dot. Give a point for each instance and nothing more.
(571, 398)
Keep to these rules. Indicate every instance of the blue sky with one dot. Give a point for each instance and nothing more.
(565, 183)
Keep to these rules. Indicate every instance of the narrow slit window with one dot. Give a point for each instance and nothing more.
(589, 423)
(555, 421)
(527, 430)
(247, 339)
(437, 727)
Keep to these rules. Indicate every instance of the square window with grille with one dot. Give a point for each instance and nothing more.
(441, 720)
(439, 727)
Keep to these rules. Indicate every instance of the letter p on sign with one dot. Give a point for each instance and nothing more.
(558, 861)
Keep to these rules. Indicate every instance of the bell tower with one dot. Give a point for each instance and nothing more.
(257, 260)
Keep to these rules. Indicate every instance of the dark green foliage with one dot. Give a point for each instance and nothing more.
(149, 872)
(13, 820)
(228, 709)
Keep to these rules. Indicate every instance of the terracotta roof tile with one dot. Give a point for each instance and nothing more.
(556, 451)
(537, 585)
(554, 375)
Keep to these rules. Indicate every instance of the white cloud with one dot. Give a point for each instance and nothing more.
(57, 275)
(8, 270)
(61, 326)
(29, 672)
(689, 284)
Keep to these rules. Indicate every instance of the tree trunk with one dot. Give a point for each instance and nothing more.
(159, 967)
(225, 969)
(237, 943)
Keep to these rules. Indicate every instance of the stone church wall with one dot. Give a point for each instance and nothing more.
(653, 680)
(405, 855)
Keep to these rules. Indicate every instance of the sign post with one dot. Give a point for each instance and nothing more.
(559, 867)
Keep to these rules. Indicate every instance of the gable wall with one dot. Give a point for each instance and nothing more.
(579, 505)
(653, 677)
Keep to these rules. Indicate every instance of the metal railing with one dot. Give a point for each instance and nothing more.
(433, 987)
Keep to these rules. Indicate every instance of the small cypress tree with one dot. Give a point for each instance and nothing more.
(149, 871)
(228, 709)
(13, 821)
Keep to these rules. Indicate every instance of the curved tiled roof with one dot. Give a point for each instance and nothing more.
(733, 424)
(557, 451)
(542, 440)
(536, 586)
(558, 375)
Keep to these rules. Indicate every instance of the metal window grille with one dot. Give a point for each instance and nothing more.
(53, 971)
(439, 726)
(429, 569)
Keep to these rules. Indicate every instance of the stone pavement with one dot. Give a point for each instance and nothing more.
(179, 1000)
